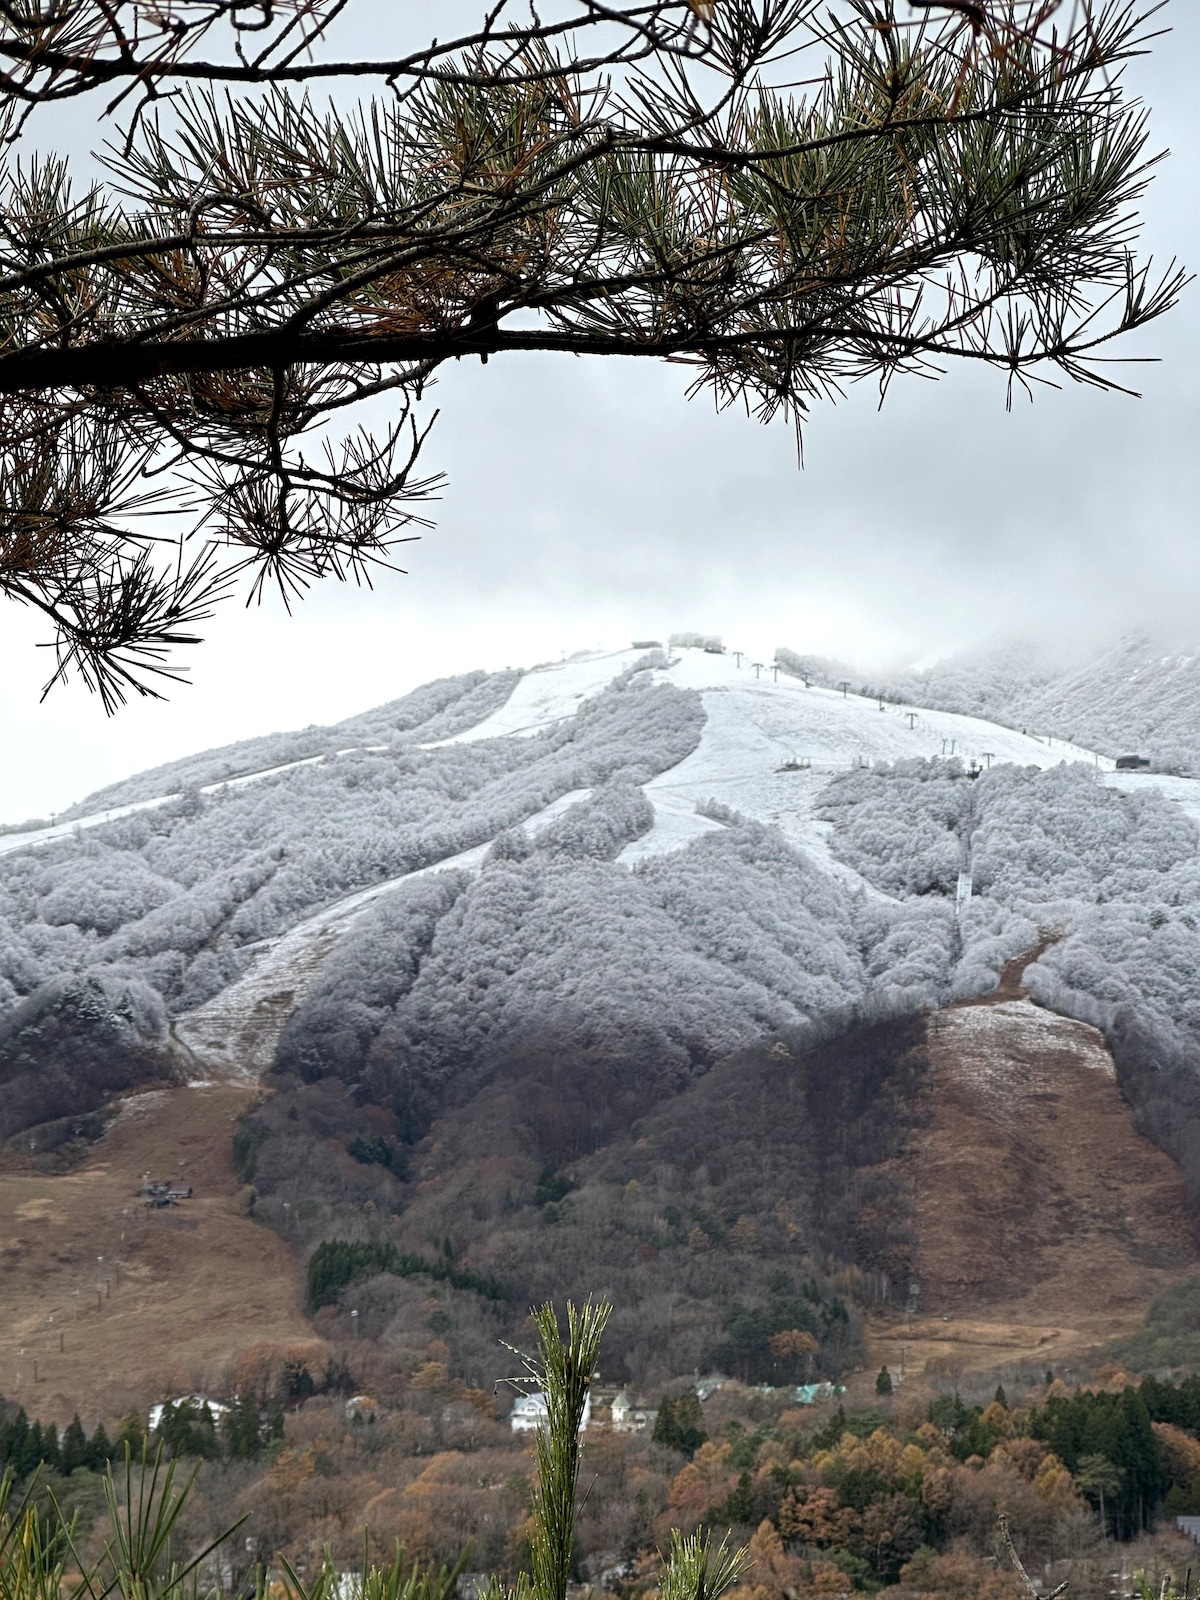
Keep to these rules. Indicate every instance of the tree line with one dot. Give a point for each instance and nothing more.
(337, 1263)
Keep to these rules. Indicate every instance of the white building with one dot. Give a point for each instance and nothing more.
(628, 1418)
(361, 1408)
(531, 1411)
(197, 1401)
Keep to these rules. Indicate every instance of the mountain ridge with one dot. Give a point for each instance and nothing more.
(597, 908)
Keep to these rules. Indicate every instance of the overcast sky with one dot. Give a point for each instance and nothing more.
(591, 503)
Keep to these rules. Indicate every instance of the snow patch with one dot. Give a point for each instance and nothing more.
(757, 723)
(64, 830)
(547, 695)
(1185, 792)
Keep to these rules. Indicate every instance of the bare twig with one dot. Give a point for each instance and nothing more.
(1030, 1587)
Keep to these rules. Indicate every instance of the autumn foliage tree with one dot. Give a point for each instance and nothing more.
(782, 196)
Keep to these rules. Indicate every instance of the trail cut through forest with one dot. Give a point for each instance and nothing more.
(1045, 1222)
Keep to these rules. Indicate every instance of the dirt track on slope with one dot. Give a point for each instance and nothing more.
(116, 1303)
(1045, 1222)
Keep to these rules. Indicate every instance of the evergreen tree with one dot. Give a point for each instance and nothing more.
(825, 1438)
(75, 1451)
(1095, 1474)
(739, 1508)
(883, 1383)
(42, 1448)
(188, 1430)
(131, 1433)
(17, 1445)
(680, 1423)
(240, 1430)
(1117, 1429)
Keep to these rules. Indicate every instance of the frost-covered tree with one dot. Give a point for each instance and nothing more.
(1113, 879)
(643, 977)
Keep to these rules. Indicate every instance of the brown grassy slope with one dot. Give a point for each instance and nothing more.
(1045, 1223)
(182, 1291)
(1032, 1183)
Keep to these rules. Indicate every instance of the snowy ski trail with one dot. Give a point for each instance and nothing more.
(233, 1037)
(548, 694)
(96, 819)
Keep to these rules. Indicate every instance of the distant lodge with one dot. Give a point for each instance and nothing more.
(164, 1192)
(1131, 763)
(614, 1411)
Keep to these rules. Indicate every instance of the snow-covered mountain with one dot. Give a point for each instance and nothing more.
(644, 862)
(1139, 695)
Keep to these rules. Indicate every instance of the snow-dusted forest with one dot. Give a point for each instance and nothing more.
(1113, 877)
(693, 889)
(1138, 695)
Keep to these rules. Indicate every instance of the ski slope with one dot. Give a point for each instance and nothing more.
(768, 749)
(232, 1037)
(64, 830)
(755, 723)
(1184, 791)
(549, 694)
(758, 721)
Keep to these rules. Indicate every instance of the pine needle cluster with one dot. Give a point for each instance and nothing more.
(784, 197)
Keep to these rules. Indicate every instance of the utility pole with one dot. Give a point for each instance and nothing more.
(987, 756)
(775, 670)
(844, 687)
(758, 667)
(737, 656)
(912, 720)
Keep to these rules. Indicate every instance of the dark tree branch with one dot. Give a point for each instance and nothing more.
(953, 180)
